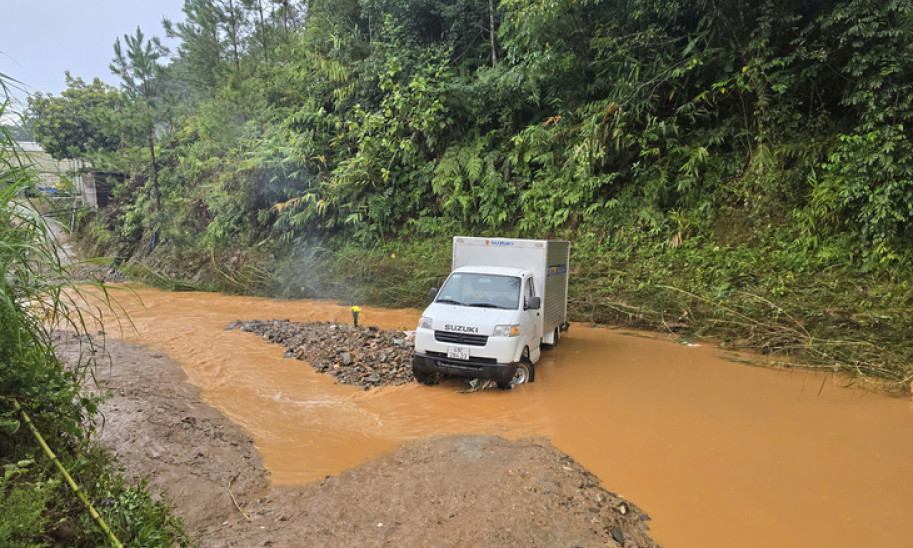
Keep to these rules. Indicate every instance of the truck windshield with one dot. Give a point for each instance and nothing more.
(482, 290)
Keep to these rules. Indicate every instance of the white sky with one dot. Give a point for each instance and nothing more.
(40, 39)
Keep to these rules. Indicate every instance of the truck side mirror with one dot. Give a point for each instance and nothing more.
(432, 294)
(533, 303)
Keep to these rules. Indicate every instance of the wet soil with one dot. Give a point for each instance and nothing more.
(364, 356)
(157, 427)
(719, 454)
(446, 491)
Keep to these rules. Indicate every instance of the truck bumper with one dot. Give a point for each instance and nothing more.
(476, 368)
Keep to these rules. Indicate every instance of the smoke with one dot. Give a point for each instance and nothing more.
(315, 272)
(358, 275)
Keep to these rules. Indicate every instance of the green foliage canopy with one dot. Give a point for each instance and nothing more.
(354, 119)
(77, 122)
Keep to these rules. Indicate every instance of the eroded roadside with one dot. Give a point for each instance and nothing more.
(446, 491)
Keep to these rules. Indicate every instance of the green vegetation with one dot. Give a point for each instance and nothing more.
(37, 508)
(18, 132)
(741, 169)
(77, 122)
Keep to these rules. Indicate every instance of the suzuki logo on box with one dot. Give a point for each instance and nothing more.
(498, 243)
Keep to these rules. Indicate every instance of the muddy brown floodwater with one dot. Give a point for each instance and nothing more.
(718, 453)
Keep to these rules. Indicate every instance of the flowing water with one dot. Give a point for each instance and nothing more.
(718, 453)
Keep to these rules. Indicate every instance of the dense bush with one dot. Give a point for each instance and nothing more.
(360, 120)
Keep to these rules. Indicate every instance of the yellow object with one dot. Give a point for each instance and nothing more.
(356, 309)
(66, 475)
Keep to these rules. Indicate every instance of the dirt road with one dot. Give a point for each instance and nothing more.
(447, 491)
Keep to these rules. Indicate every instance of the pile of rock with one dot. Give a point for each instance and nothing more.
(363, 356)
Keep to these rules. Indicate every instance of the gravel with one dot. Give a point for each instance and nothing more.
(364, 356)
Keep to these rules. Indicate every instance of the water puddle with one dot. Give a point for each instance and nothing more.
(719, 454)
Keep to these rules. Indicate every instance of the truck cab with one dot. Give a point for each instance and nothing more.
(487, 320)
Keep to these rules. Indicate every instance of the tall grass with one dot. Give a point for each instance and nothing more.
(36, 295)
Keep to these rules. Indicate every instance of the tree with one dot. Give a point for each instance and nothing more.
(139, 70)
(72, 125)
(201, 48)
(289, 13)
(20, 132)
(261, 34)
(867, 180)
(234, 20)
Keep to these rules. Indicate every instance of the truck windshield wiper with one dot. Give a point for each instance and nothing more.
(449, 301)
(485, 305)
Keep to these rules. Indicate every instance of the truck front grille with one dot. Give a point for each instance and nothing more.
(460, 338)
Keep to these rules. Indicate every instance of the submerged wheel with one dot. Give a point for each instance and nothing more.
(522, 375)
(428, 379)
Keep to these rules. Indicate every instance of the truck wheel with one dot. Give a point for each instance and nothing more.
(521, 376)
(524, 373)
(428, 379)
(555, 338)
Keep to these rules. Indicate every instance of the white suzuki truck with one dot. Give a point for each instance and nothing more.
(503, 302)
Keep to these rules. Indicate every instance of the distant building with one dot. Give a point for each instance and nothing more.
(51, 173)
(94, 188)
(97, 187)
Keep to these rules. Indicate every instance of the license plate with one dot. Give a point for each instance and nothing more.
(458, 352)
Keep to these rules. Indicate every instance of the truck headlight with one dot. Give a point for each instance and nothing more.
(424, 322)
(511, 330)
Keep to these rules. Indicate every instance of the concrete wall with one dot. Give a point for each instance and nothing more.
(58, 174)
(52, 173)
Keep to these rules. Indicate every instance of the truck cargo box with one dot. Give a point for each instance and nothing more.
(548, 260)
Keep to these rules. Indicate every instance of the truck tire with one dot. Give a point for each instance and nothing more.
(525, 373)
(521, 376)
(428, 379)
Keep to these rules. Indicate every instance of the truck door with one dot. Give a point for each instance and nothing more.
(533, 321)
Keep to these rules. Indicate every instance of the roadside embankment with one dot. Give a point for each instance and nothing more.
(813, 310)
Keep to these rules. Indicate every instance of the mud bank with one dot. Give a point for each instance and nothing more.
(718, 453)
(447, 491)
